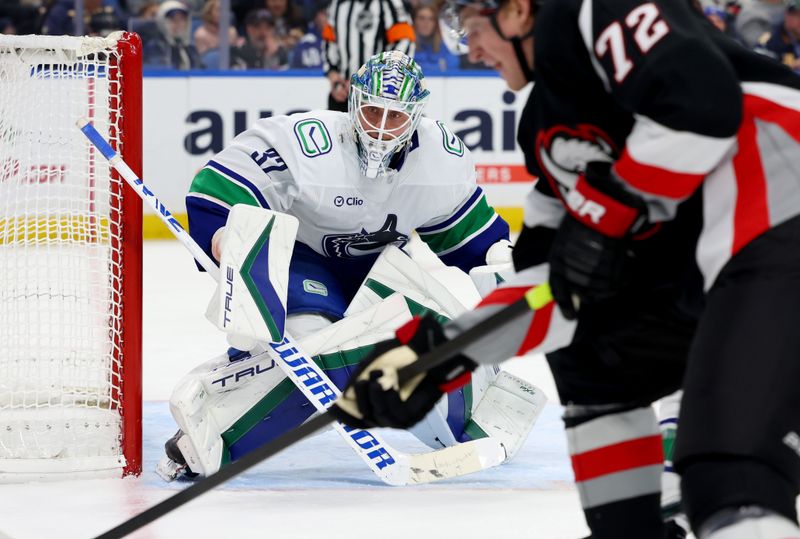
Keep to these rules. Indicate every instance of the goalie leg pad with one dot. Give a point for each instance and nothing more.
(508, 410)
(394, 271)
(201, 446)
(213, 397)
(449, 422)
(226, 408)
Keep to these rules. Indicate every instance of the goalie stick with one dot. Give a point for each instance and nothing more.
(535, 298)
(393, 467)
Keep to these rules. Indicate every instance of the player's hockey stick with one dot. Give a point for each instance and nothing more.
(390, 465)
(533, 299)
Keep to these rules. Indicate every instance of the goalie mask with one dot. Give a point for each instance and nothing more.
(387, 96)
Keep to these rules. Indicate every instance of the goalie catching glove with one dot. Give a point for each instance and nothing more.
(374, 397)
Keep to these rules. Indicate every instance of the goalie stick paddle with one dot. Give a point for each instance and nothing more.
(263, 452)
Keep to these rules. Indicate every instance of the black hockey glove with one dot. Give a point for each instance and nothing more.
(588, 261)
(532, 247)
(373, 396)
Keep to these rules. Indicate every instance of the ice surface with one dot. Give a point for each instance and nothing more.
(319, 488)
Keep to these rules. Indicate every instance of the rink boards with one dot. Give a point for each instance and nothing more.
(188, 118)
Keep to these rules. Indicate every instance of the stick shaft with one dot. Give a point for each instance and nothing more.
(447, 350)
(148, 196)
(224, 474)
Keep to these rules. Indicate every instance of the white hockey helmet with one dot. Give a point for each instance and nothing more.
(387, 96)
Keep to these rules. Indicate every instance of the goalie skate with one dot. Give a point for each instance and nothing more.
(173, 464)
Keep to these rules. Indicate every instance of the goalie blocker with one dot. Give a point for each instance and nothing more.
(239, 400)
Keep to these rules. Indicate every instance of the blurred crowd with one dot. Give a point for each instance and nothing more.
(288, 34)
(771, 27)
(185, 34)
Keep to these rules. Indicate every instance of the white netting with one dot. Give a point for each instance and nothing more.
(60, 278)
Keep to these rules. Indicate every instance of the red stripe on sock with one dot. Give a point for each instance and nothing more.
(619, 457)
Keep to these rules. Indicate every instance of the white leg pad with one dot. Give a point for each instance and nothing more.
(765, 526)
(394, 271)
(433, 430)
(509, 408)
(212, 397)
(201, 444)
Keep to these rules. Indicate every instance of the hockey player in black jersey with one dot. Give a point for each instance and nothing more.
(669, 189)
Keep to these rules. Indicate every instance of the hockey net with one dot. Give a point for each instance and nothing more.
(70, 259)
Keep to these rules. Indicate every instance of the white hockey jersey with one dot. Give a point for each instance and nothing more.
(307, 165)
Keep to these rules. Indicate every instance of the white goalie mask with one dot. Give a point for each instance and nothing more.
(387, 96)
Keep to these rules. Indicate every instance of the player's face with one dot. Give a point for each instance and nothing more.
(372, 121)
(489, 47)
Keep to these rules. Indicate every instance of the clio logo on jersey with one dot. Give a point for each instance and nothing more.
(340, 201)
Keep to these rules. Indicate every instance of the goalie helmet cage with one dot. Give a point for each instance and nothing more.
(70, 259)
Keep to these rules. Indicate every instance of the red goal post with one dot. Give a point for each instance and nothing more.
(70, 259)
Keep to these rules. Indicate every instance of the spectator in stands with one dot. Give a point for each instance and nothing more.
(758, 18)
(289, 25)
(206, 37)
(307, 54)
(148, 11)
(60, 18)
(262, 48)
(144, 22)
(103, 22)
(171, 47)
(7, 26)
(356, 31)
(783, 43)
(240, 10)
(24, 16)
(308, 9)
(138, 8)
(717, 16)
(431, 53)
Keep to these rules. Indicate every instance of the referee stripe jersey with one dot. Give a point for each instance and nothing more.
(359, 29)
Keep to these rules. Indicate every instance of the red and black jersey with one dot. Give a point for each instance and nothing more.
(677, 107)
(707, 132)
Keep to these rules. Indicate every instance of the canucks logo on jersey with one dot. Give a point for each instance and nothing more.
(364, 243)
